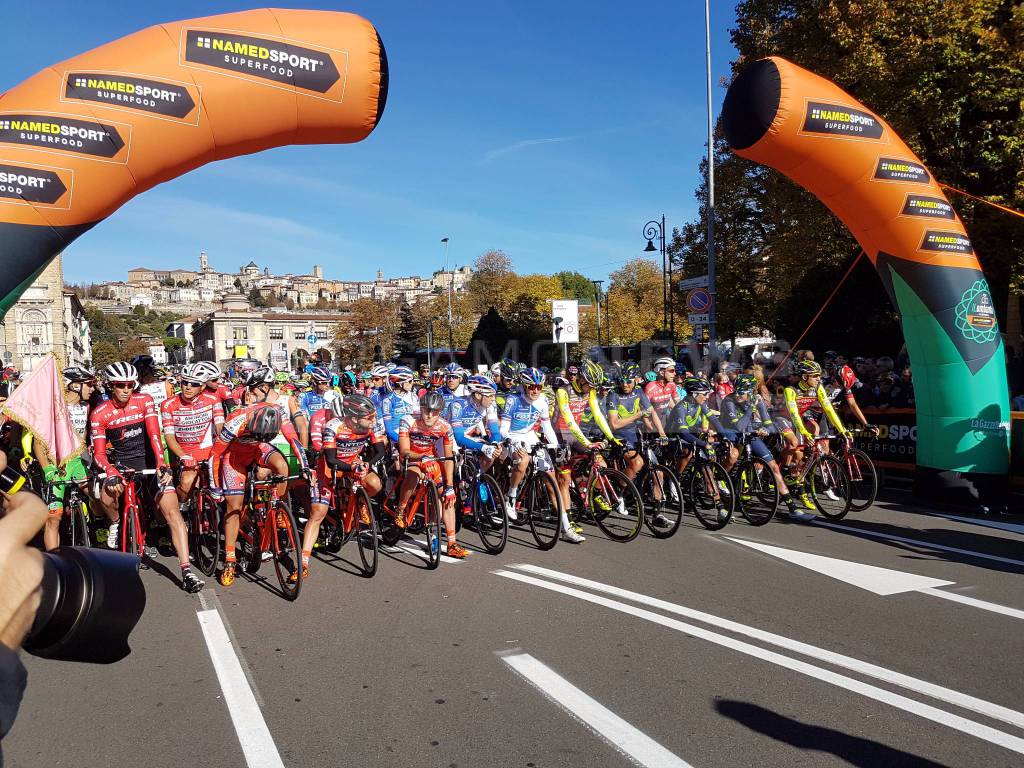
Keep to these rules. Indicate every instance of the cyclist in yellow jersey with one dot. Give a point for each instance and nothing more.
(579, 417)
(808, 398)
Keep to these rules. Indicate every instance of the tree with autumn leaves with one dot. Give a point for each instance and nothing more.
(520, 303)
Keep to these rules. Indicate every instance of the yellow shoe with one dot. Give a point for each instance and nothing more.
(400, 520)
(227, 576)
(806, 500)
(295, 575)
(364, 516)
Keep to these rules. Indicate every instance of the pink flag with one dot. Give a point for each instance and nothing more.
(38, 404)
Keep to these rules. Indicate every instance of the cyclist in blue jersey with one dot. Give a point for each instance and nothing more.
(690, 418)
(523, 412)
(628, 407)
(474, 420)
(452, 388)
(400, 401)
(321, 395)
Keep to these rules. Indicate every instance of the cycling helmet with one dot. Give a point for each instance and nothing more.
(264, 423)
(572, 370)
(320, 375)
(508, 369)
(210, 370)
(379, 372)
(650, 376)
(142, 361)
(531, 376)
(76, 375)
(121, 371)
(664, 362)
(193, 373)
(400, 374)
(480, 385)
(745, 384)
(355, 406)
(432, 401)
(348, 377)
(262, 375)
(628, 372)
(592, 373)
(697, 386)
(454, 369)
(808, 368)
(437, 378)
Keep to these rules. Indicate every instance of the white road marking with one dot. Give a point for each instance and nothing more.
(984, 605)
(918, 542)
(881, 581)
(1013, 527)
(422, 553)
(254, 736)
(627, 739)
(948, 695)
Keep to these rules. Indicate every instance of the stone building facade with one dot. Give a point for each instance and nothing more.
(46, 319)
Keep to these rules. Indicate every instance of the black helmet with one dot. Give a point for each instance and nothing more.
(76, 375)
(694, 385)
(357, 406)
(143, 362)
(628, 372)
(264, 423)
(432, 401)
(262, 375)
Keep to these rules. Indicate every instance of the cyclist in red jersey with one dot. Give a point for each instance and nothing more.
(191, 421)
(418, 438)
(663, 393)
(243, 441)
(340, 442)
(127, 425)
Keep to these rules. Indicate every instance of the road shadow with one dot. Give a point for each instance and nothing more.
(854, 750)
(994, 546)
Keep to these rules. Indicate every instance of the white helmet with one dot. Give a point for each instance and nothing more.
(194, 373)
(664, 362)
(121, 371)
(210, 370)
(380, 371)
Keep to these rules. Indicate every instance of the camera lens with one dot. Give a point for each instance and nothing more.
(91, 601)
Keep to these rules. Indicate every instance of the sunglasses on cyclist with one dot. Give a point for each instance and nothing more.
(185, 383)
(123, 384)
(431, 412)
(535, 387)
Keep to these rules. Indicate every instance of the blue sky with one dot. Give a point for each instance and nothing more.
(550, 130)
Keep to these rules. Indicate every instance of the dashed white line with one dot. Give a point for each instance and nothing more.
(624, 737)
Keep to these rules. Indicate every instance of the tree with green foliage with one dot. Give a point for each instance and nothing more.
(576, 286)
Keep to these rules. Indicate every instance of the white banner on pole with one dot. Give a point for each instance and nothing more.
(565, 321)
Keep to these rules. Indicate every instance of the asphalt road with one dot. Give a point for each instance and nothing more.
(700, 650)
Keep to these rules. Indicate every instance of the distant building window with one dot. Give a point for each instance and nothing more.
(300, 335)
(277, 333)
(239, 333)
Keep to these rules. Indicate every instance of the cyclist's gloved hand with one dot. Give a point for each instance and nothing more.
(164, 472)
(49, 472)
(307, 475)
(489, 450)
(449, 493)
(216, 493)
(188, 462)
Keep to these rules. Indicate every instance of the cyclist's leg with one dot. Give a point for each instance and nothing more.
(51, 531)
(234, 468)
(632, 461)
(321, 503)
(186, 479)
(166, 500)
(409, 481)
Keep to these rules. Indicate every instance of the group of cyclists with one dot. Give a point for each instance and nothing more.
(167, 432)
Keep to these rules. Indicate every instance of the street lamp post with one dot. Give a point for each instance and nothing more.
(656, 229)
(451, 282)
(597, 302)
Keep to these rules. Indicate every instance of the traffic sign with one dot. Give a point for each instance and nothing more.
(565, 326)
(311, 339)
(693, 282)
(701, 319)
(699, 300)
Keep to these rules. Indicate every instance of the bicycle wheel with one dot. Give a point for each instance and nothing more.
(757, 492)
(542, 505)
(366, 532)
(489, 516)
(432, 526)
(287, 548)
(204, 525)
(75, 529)
(131, 538)
(863, 477)
(615, 504)
(663, 501)
(829, 487)
(711, 494)
(248, 551)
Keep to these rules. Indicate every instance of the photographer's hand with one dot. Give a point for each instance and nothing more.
(21, 567)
